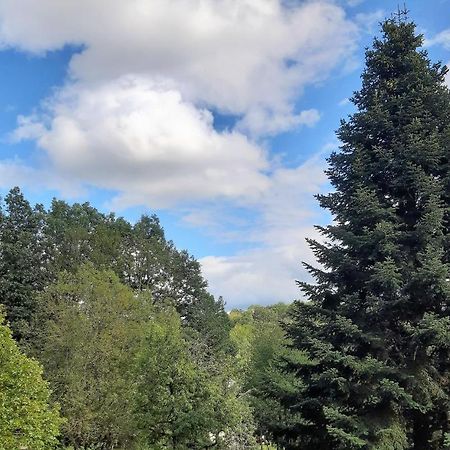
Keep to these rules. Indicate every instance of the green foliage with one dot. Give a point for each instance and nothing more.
(89, 328)
(36, 245)
(81, 234)
(128, 374)
(212, 324)
(375, 331)
(170, 396)
(260, 341)
(182, 405)
(142, 258)
(26, 418)
(84, 292)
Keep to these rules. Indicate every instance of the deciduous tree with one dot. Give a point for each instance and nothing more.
(27, 419)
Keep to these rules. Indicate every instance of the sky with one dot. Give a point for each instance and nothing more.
(217, 115)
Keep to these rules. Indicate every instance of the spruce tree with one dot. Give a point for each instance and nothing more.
(372, 342)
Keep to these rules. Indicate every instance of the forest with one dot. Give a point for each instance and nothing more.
(109, 338)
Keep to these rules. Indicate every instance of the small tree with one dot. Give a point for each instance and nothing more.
(87, 334)
(182, 402)
(27, 421)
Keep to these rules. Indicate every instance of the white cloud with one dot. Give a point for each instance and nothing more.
(442, 38)
(370, 21)
(260, 276)
(14, 172)
(144, 141)
(353, 3)
(262, 122)
(136, 115)
(245, 57)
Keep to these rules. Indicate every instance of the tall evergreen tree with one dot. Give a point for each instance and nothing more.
(374, 334)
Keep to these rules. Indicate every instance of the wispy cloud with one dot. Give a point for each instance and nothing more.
(371, 20)
(15, 172)
(284, 217)
(442, 38)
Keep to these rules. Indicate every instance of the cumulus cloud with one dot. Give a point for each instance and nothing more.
(144, 141)
(136, 115)
(250, 58)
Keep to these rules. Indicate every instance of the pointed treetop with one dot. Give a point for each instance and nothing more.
(401, 16)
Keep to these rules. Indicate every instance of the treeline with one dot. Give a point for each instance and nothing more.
(37, 245)
(136, 352)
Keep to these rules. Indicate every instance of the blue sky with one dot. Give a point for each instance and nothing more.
(215, 114)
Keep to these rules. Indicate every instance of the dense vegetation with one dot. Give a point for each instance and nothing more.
(136, 354)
